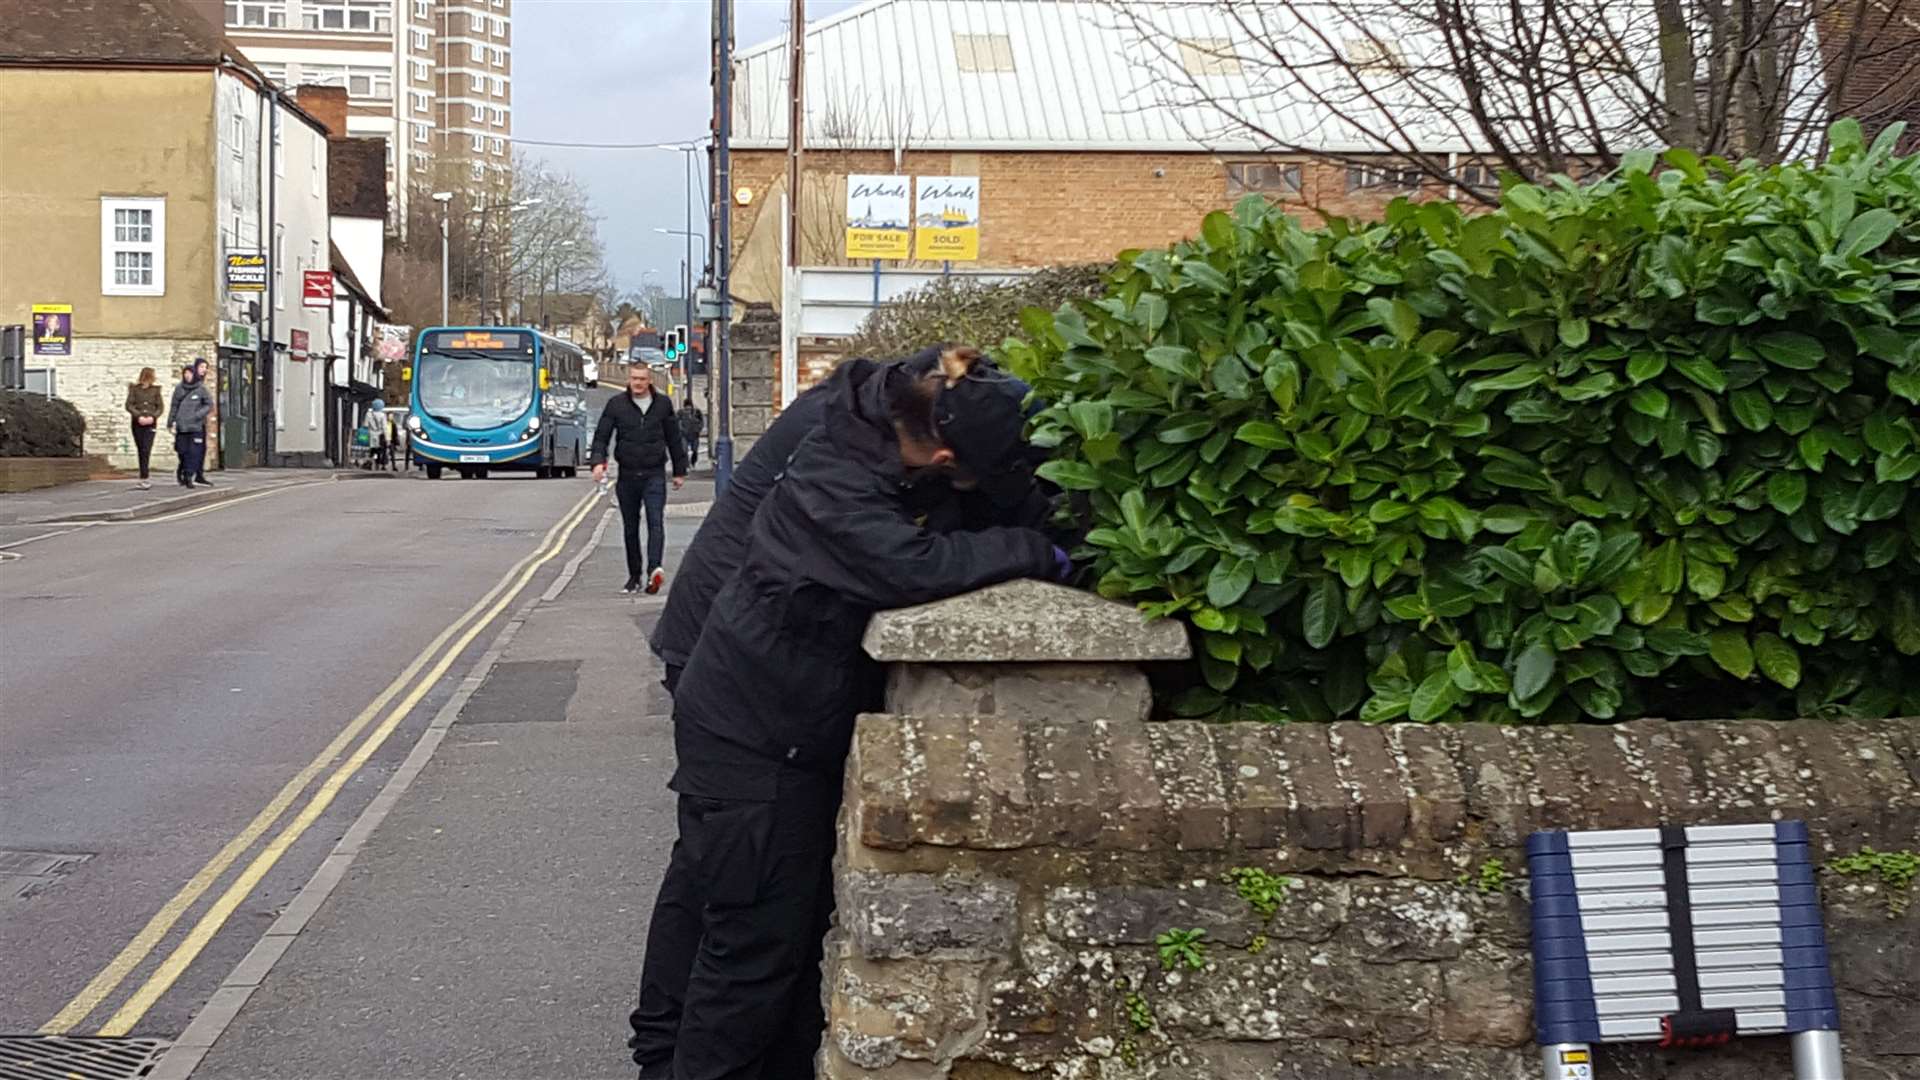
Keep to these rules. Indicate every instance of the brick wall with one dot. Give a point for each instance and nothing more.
(1037, 208)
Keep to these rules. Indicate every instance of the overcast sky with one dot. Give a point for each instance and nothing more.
(628, 71)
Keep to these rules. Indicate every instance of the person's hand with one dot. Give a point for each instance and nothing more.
(1062, 564)
(599, 472)
(679, 482)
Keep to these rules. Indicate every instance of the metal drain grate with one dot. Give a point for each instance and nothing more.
(65, 1057)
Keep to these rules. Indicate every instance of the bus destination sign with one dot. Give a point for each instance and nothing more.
(489, 341)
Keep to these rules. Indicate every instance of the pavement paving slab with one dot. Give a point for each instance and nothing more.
(490, 927)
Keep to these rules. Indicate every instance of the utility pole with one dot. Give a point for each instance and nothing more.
(686, 281)
(796, 123)
(723, 240)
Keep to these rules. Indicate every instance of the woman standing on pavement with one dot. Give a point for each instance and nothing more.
(764, 711)
(143, 405)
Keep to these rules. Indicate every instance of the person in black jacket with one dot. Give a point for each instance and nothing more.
(764, 711)
(721, 541)
(647, 437)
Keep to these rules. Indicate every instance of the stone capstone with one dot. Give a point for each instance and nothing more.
(1023, 622)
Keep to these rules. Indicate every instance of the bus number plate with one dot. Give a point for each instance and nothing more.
(479, 458)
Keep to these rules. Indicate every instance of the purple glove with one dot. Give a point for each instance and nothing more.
(1062, 564)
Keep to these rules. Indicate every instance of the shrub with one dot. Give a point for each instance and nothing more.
(968, 310)
(1638, 448)
(36, 426)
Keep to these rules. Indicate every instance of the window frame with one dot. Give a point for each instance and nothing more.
(1401, 177)
(155, 247)
(1292, 175)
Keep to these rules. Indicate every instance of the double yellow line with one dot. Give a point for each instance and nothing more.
(473, 621)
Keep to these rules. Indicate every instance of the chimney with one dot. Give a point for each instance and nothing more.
(328, 104)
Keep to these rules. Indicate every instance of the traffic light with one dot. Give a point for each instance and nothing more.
(680, 333)
(671, 344)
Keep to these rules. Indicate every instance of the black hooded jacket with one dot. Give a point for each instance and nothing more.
(721, 543)
(778, 674)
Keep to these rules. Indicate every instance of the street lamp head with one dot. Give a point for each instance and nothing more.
(443, 196)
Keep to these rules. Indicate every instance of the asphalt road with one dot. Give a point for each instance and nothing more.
(161, 682)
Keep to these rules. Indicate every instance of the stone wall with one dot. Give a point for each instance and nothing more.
(95, 379)
(755, 343)
(1017, 837)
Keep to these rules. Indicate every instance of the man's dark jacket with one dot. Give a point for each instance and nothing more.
(778, 675)
(720, 544)
(646, 440)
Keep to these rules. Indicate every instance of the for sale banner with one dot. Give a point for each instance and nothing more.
(879, 217)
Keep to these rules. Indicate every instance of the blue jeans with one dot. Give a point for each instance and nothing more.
(636, 490)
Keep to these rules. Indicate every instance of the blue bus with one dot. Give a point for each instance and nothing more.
(497, 397)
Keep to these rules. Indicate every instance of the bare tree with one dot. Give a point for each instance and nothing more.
(1461, 90)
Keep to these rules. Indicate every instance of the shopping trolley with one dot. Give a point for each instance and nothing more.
(1687, 936)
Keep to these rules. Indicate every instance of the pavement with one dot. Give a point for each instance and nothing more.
(123, 500)
(490, 925)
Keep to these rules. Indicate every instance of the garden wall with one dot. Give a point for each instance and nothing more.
(1017, 837)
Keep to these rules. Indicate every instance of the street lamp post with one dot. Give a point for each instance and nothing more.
(443, 198)
(686, 281)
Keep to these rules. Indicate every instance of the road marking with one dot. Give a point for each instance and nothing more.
(216, 916)
(220, 505)
(150, 935)
(46, 536)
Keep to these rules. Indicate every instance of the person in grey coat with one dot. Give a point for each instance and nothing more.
(187, 419)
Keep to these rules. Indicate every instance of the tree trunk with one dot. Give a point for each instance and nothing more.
(1677, 75)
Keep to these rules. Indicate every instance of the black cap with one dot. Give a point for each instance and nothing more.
(981, 420)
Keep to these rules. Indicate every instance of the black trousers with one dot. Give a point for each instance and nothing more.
(191, 446)
(143, 442)
(637, 491)
(693, 449)
(730, 989)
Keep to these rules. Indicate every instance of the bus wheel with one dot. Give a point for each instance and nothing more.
(433, 472)
(479, 474)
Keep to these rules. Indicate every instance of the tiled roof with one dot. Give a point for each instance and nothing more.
(124, 33)
(132, 32)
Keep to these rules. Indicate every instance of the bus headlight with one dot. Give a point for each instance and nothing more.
(533, 425)
(413, 423)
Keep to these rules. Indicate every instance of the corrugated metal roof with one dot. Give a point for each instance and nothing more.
(1154, 74)
(1085, 74)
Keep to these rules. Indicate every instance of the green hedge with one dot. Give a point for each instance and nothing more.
(967, 310)
(35, 426)
(1641, 448)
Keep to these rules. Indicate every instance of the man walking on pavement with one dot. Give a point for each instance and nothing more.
(187, 419)
(691, 421)
(646, 437)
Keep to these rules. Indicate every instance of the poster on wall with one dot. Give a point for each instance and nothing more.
(879, 217)
(298, 341)
(946, 222)
(53, 329)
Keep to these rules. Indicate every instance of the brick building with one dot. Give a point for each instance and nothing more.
(1050, 105)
